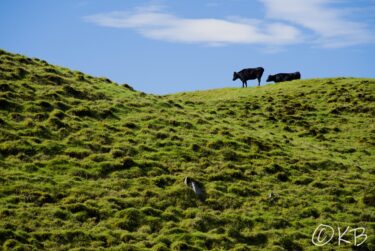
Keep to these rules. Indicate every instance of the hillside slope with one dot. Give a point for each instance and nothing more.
(88, 163)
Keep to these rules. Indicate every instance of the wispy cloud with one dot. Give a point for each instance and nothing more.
(286, 22)
(159, 25)
(331, 25)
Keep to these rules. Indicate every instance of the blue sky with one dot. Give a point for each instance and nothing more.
(172, 46)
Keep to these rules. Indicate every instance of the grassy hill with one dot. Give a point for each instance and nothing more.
(86, 163)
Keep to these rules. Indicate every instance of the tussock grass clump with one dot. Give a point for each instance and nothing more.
(78, 153)
(84, 112)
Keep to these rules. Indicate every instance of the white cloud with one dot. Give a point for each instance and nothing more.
(159, 25)
(330, 25)
(287, 22)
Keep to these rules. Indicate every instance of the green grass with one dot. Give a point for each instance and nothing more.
(87, 163)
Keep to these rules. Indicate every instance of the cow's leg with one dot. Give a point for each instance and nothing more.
(259, 80)
(246, 83)
(243, 84)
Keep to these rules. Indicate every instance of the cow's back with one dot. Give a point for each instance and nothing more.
(282, 77)
(251, 73)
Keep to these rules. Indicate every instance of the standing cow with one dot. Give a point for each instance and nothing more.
(249, 74)
(282, 77)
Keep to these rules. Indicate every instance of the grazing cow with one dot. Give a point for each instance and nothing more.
(196, 186)
(249, 74)
(282, 77)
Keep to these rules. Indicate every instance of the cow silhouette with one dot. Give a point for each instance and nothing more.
(249, 74)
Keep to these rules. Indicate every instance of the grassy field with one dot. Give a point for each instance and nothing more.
(88, 164)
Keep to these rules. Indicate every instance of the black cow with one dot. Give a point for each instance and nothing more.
(282, 77)
(249, 74)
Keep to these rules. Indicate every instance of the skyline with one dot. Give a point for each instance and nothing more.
(165, 47)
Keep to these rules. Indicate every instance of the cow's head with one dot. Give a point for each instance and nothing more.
(270, 78)
(298, 75)
(235, 76)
